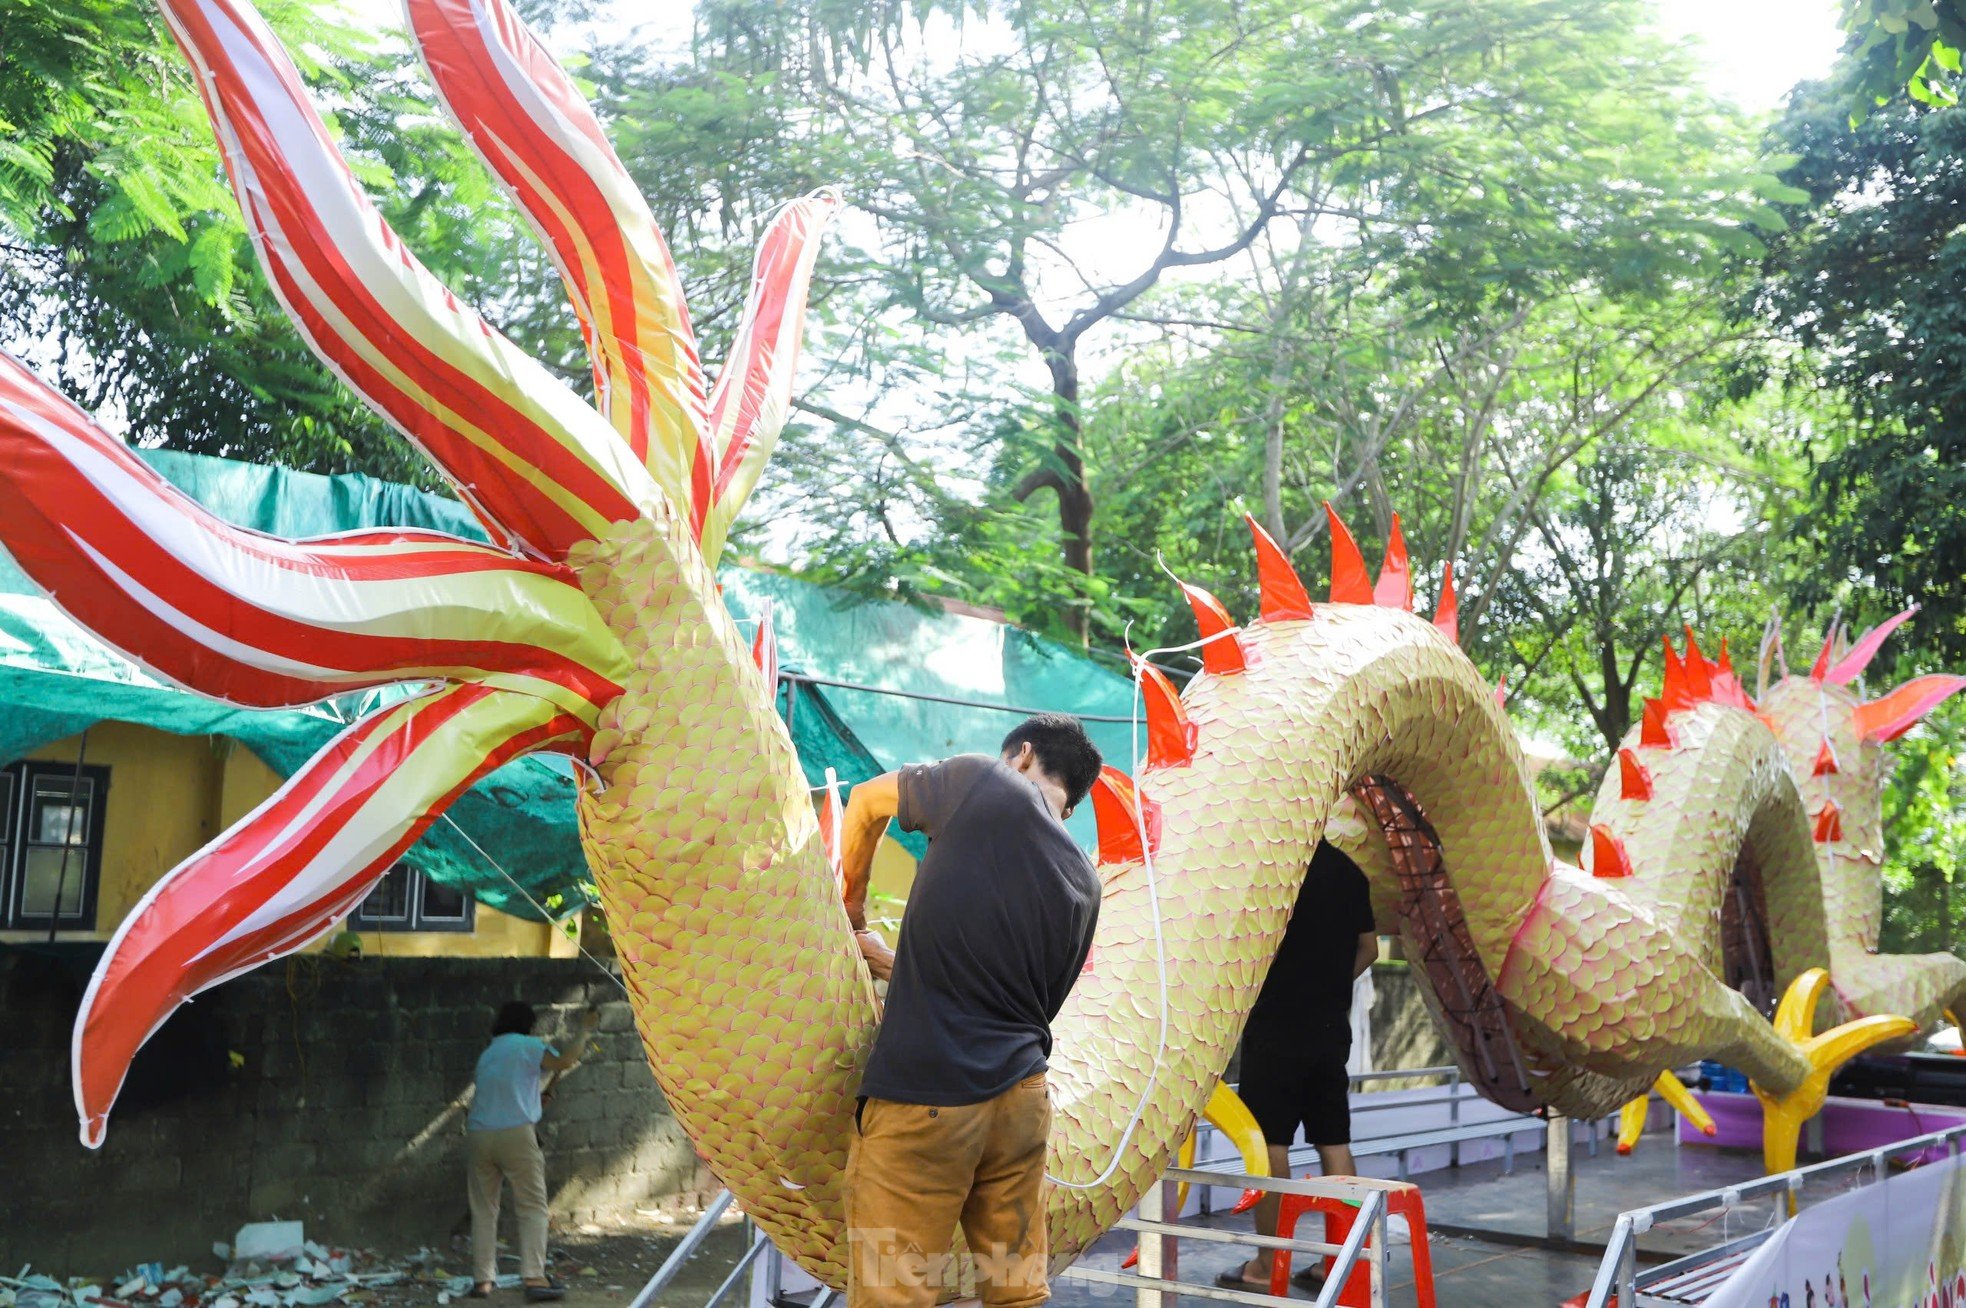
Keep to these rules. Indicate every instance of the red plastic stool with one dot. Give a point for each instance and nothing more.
(1339, 1214)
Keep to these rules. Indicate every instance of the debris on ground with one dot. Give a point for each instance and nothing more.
(600, 1266)
(269, 1241)
(302, 1274)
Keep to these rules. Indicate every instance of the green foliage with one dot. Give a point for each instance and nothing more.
(1903, 45)
(1866, 286)
(1925, 877)
(1114, 275)
(1638, 543)
(1114, 254)
(125, 274)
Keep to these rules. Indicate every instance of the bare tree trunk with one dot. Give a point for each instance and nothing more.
(1065, 476)
(1074, 496)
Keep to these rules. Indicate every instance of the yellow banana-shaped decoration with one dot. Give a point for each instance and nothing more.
(1783, 1113)
(1562, 988)
(1631, 1118)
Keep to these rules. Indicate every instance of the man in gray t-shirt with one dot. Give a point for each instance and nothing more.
(954, 1115)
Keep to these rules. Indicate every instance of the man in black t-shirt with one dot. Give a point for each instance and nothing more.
(1299, 1036)
(954, 1116)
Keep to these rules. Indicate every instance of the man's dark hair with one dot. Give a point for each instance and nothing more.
(515, 1018)
(1063, 750)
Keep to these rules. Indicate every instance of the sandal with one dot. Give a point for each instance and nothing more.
(482, 1290)
(1235, 1280)
(546, 1293)
(1311, 1278)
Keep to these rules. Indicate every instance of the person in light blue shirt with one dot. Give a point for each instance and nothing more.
(501, 1146)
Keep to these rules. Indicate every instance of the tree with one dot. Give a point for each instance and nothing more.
(1867, 287)
(125, 274)
(1925, 848)
(1041, 176)
(1903, 45)
(1643, 541)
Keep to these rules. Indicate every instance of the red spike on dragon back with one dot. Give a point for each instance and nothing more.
(596, 628)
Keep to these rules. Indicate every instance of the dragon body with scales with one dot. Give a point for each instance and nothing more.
(593, 626)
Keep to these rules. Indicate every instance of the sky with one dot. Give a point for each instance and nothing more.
(1756, 49)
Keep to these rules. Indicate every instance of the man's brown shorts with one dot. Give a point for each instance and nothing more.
(914, 1173)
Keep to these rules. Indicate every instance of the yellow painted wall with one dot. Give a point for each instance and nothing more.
(169, 795)
(893, 875)
(159, 809)
(494, 935)
(244, 782)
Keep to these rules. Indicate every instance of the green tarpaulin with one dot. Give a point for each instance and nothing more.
(56, 679)
(910, 655)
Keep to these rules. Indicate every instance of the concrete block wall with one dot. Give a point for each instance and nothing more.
(1403, 1032)
(324, 1090)
(344, 1107)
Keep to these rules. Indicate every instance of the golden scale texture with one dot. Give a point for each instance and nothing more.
(1849, 885)
(757, 1013)
(751, 998)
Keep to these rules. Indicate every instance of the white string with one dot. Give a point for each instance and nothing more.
(1160, 941)
(605, 969)
(1153, 900)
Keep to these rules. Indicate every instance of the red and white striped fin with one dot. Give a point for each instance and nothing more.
(293, 868)
(533, 459)
(753, 394)
(534, 129)
(257, 620)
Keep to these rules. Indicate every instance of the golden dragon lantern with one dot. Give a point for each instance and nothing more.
(592, 625)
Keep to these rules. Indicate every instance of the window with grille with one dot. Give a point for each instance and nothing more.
(51, 826)
(407, 900)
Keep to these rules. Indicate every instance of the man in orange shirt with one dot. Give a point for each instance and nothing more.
(954, 1116)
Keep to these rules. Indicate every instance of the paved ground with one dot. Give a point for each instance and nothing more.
(1475, 1267)
(1478, 1273)
(605, 1269)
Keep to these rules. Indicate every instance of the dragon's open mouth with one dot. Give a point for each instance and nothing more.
(1435, 933)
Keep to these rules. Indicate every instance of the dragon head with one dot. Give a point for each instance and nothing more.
(494, 650)
(1836, 738)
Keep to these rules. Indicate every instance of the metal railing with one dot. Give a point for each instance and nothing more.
(1160, 1230)
(686, 1249)
(1454, 1097)
(1157, 1281)
(1453, 1136)
(1618, 1275)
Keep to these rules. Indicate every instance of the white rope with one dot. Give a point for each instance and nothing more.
(1160, 940)
(605, 969)
(1153, 899)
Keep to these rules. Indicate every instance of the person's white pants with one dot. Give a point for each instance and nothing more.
(496, 1157)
